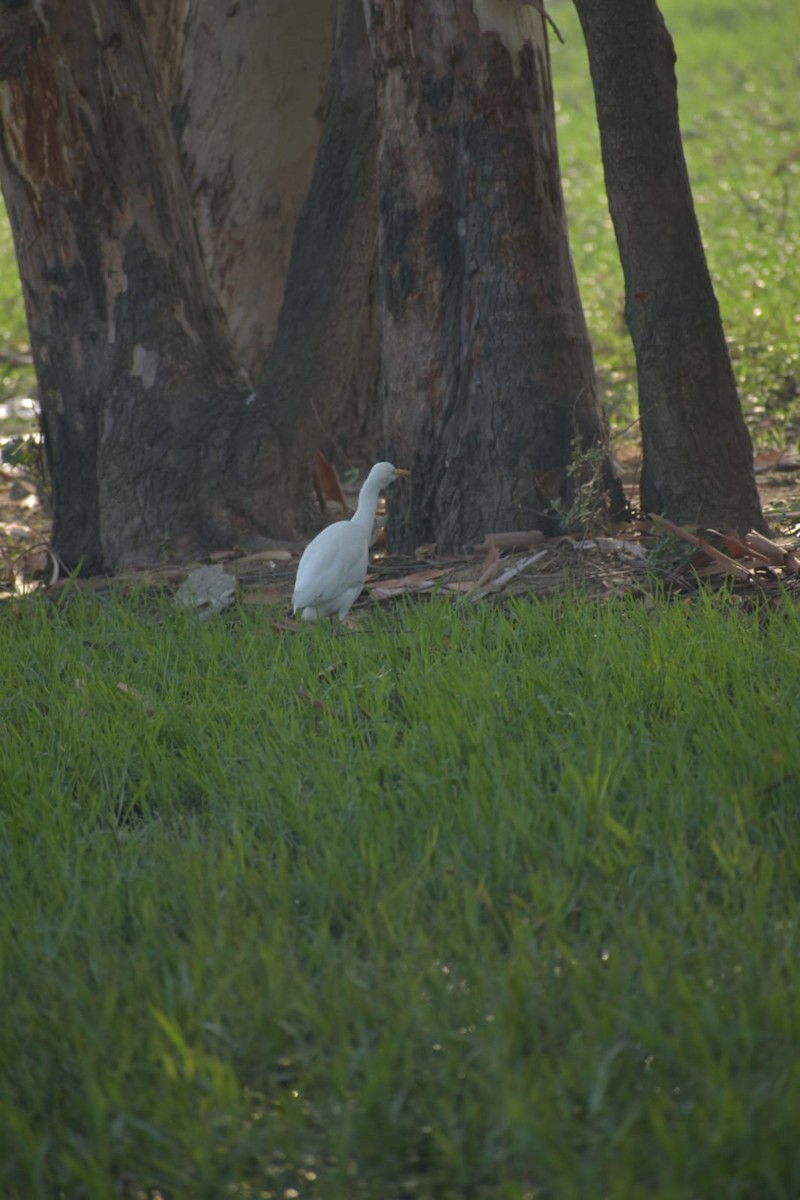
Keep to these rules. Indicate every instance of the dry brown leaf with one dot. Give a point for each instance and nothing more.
(734, 545)
(406, 582)
(381, 593)
(326, 482)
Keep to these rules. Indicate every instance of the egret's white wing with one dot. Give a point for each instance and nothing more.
(335, 561)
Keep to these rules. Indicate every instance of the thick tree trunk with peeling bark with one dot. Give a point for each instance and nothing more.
(136, 369)
(698, 459)
(489, 384)
(157, 443)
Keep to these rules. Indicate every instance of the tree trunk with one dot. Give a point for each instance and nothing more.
(248, 106)
(165, 31)
(156, 442)
(698, 459)
(318, 386)
(488, 380)
(136, 371)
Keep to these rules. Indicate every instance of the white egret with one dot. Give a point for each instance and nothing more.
(333, 567)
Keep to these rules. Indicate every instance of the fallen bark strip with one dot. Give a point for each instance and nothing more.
(762, 545)
(729, 565)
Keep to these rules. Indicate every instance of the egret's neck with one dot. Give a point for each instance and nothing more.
(364, 515)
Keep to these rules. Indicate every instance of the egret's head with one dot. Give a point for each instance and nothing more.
(384, 473)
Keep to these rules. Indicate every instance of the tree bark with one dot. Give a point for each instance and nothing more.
(158, 445)
(318, 386)
(248, 103)
(698, 458)
(488, 379)
(136, 369)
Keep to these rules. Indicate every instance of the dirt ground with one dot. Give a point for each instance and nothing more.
(618, 560)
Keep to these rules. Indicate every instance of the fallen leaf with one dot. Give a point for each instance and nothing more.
(407, 581)
(733, 544)
(389, 593)
(326, 482)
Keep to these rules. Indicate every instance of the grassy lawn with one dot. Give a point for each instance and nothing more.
(479, 901)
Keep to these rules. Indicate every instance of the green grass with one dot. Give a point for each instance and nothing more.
(738, 78)
(476, 902)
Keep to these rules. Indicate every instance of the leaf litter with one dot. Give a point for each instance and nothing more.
(648, 556)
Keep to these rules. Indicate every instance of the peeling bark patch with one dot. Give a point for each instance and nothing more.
(515, 26)
(116, 282)
(145, 365)
(41, 125)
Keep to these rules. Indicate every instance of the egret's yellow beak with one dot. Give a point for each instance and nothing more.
(401, 471)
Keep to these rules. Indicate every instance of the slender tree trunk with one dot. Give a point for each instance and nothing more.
(487, 370)
(698, 460)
